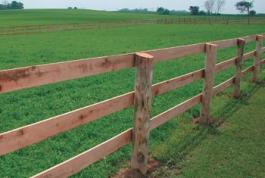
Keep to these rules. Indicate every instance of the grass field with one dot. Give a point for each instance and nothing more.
(235, 149)
(32, 105)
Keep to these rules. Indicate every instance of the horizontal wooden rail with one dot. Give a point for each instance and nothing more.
(27, 135)
(228, 63)
(225, 43)
(249, 55)
(26, 77)
(176, 52)
(233, 42)
(221, 87)
(263, 50)
(173, 112)
(224, 65)
(98, 152)
(177, 82)
(34, 133)
(87, 158)
(247, 70)
(81, 161)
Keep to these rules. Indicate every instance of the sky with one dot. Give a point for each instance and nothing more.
(259, 5)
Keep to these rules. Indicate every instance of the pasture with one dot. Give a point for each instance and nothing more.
(32, 105)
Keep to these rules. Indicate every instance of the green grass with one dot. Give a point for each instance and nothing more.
(32, 105)
(235, 149)
(31, 17)
(61, 16)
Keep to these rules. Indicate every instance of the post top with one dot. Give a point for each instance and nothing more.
(260, 37)
(144, 55)
(212, 45)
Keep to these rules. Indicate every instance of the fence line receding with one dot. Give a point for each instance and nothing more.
(141, 98)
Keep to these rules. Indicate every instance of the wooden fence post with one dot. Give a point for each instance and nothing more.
(259, 40)
(240, 53)
(210, 60)
(142, 106)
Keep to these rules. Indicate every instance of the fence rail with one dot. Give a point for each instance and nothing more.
(26, 77)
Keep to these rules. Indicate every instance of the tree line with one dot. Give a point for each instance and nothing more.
(211, 7)
(13, 5)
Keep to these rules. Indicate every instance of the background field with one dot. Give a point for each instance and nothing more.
(32, 105)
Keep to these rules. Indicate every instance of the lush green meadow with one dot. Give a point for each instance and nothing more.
(32, 105)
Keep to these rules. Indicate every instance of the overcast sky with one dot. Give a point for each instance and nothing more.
(118, 4)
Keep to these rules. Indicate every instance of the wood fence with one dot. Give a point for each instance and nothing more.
(28, 29)
(141, 98)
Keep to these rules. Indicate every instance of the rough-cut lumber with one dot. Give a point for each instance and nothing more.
(176, 52)
(240, 52)
(222, 86)
(31, 76)
(27, 135)
(224, 65)
(225, 43)
(263, 50)
(259, 41)
(173, 112)
(249, 55)
(177, 82)
(142, 108)
(26, 77)
(249, 38)
(233, 42)
(210, 60)
(247, 70)
(87, 158)
(34, 133)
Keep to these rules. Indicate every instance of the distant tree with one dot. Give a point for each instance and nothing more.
(194, 10)
(244, 6)
(69, 8)
(219, 6)
(12, 5)
(252, 13)
(16, 5)
(163, 11)
(202, 13)
(209, 6)
(75, 8)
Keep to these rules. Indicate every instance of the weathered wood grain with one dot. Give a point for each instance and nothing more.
(259, 41)
(222, 86)
(88, 157)
(249, 55)
(27, 77)
(224, 65)
(34, 133)
(210, 60)
(240, 52)
(176, 82)
(247, 70)
(173, 112)
(176, 52)
(27, 135)
(142, 109)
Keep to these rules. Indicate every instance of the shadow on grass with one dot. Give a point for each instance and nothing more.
(172, 158)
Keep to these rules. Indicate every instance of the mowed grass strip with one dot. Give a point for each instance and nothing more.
(32, 105)
(235, 149)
